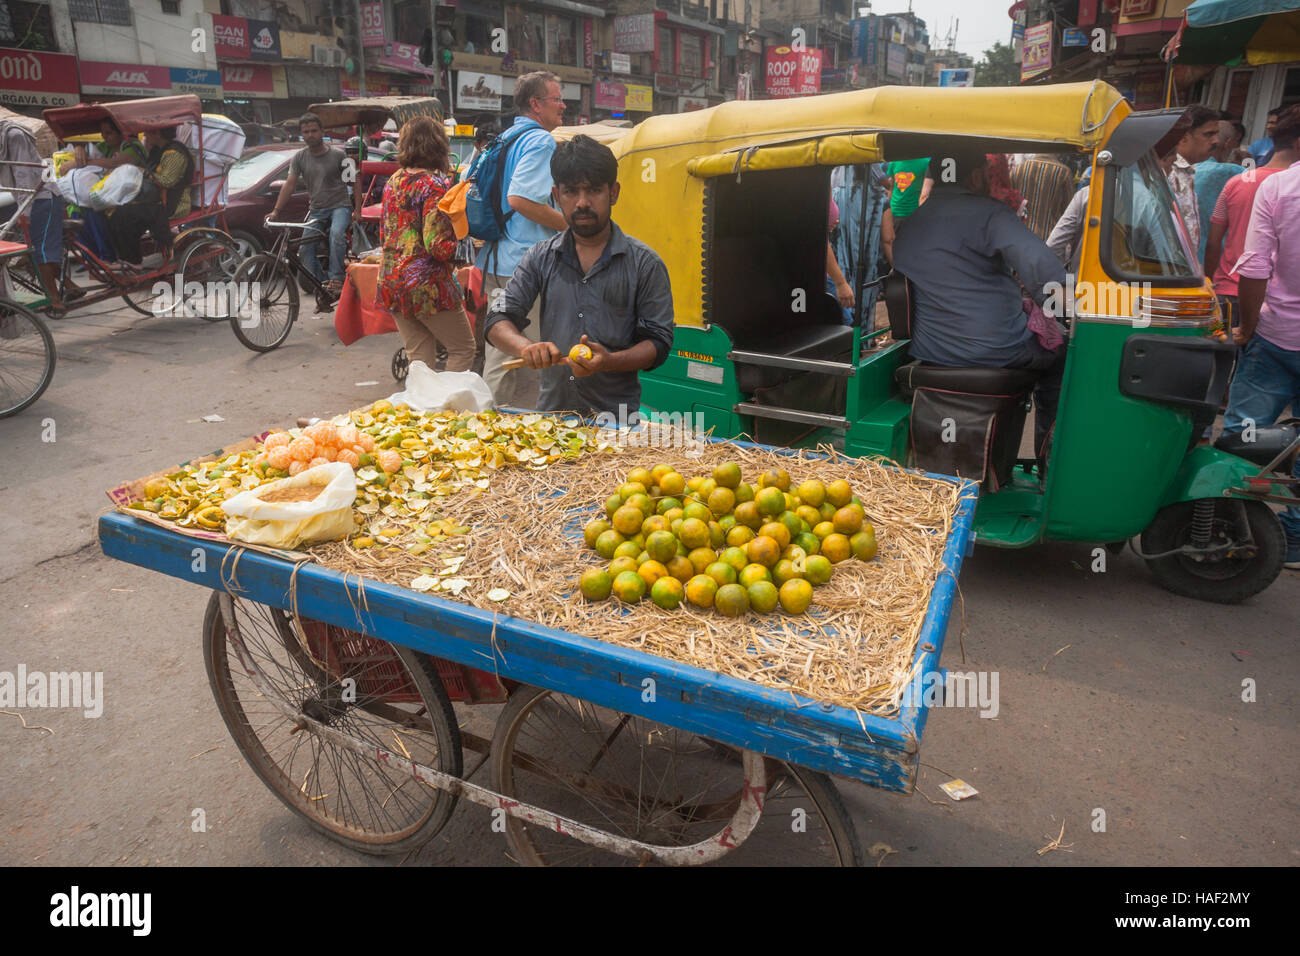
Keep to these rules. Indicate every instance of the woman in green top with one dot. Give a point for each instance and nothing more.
(116, 150)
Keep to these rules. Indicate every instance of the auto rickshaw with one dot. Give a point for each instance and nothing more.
(734, 199)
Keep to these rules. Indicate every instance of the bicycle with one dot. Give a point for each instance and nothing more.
(268, 284)
(27, 357)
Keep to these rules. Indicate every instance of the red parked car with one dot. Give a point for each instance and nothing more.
(255, 182)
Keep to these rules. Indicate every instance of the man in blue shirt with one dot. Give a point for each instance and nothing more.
(530, 219)
(967, 256)
(1261, 151)
(1212, 175)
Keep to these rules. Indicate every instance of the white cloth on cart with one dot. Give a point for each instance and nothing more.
(223, 144)
(76, 184)
(117, 188)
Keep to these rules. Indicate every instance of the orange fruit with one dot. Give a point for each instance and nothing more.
(763, 550)
(654, 523)
(643, 502)
(763, 596)
(784, 571)
(810, 543)
(652, 571)
(795, 595)
(612, 504)
(747, 513)
(864, 544)
(303, 449)
(681, 568)
(817, 569)
(628, 520)
(727, 475)
(740, 535)
(808, 515)
(775, 478)
(777, 532)
(770, 502)
(279, 456)
(607, 543)
(839, 493)
(641, 476)
(827, 511)
(630, 488)
(672, 484)
(836, 548)
(628, 549)
(593, 530)
(629, 587)
(698, 510)
(661, 545)
(595, 584)
(700, 590)
(796, 554)
(794, 524)
(666, 505)
(752, 574)
(811, 492)
(694, 533)
(277, 440)
(701, 558)
(622, 563)
(731, 600)
(721, 501)
(717, 537)
(848, 520)
(658, 471)
(721, 572)
(735, 557)
(823, 528)
(349, 457)
(667, 593)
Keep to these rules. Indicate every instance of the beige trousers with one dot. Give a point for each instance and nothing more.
(521, 387)
(422, 333)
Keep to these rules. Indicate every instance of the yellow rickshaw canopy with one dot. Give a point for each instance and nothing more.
(847, 149)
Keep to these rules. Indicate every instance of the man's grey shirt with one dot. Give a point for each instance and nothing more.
(623, 300)
(959, 250)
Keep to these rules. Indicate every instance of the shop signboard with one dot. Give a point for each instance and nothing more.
(610, 96)
(28, 78)
(372, 24)
(1037, 54)
(230, 37)
(635, 34)
(247, 80)
(205, 84)
(793, 72)
(478, 91)
(125, 79)
(264, 39)
(639, 98)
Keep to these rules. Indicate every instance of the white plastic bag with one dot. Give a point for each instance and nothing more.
(117, 188)
(430, 391)
(75, 185)
(288, 524)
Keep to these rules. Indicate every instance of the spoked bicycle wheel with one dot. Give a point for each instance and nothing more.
(268, 303)
(27, 357)
(212, 259)
(652, 783)
(368, 689)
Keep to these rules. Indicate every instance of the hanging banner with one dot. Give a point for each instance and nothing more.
(404, 56)
(792, 72)
(610, 96)
(264, 39)
(230, 37)
(125, 79)
(639, 98)
(478, 91)
(588, 44)
(38, 79)
(635, 34)
(372, 24)
(205, 84)
(620, 63)
(1037, 54)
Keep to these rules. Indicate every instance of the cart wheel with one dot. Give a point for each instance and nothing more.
(268, 303)
(400, 705)
(653, 783)
(142, 300)
(1229, 579)
(213, 260)
(27, 357)
(401, 365)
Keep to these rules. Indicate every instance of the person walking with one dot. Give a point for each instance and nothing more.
(1228, 224)
(1267, 379)
(1198, 141)
(416, 283)
(322, 168)
(45, 215)
(529, 219)
(1211, 176)
(1047, 185)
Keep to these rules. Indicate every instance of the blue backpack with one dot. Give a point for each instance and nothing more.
(486, 178)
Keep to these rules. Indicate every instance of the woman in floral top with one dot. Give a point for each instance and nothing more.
(416, 283)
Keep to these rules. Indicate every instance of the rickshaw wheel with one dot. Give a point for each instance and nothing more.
(653, 783)
(400, 705)
(212, 258)
(1227, 580)
(27, 357)
(275, 295)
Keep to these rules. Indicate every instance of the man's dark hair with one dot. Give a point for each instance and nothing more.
(484, 133)
(954, 167)
(1287, 134)
(1241, 130)
(113, 123)
(1198, 116)
(1276, 111)
(309, 118)
(583, 160)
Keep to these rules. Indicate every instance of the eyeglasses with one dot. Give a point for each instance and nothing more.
(557, 99)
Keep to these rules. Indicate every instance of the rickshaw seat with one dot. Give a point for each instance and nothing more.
(976, 381)
(1267, 442)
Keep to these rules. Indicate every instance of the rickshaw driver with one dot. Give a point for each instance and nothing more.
(967, 256)
(599, 287)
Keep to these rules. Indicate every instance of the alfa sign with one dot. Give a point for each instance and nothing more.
(125, 79)
(792, 72)
(38, 79)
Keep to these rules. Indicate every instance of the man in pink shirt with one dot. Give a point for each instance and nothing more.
(1268, 289)
(1228, 223)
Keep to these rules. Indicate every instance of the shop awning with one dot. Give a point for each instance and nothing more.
(845, 149)
(1230, 31)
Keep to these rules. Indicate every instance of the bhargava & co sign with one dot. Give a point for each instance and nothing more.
(793, 72)
(28, 78)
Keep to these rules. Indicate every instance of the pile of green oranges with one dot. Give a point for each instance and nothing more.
(719, 542)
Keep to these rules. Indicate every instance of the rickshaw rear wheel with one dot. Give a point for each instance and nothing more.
(1223, 580)
(653, 783)
(360, 803)
(274, 293)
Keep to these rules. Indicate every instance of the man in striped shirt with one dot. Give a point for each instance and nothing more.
(1047, 185)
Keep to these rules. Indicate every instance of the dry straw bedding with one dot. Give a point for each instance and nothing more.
(854, 647)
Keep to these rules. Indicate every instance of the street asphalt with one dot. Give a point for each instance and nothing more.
(1115, 696)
